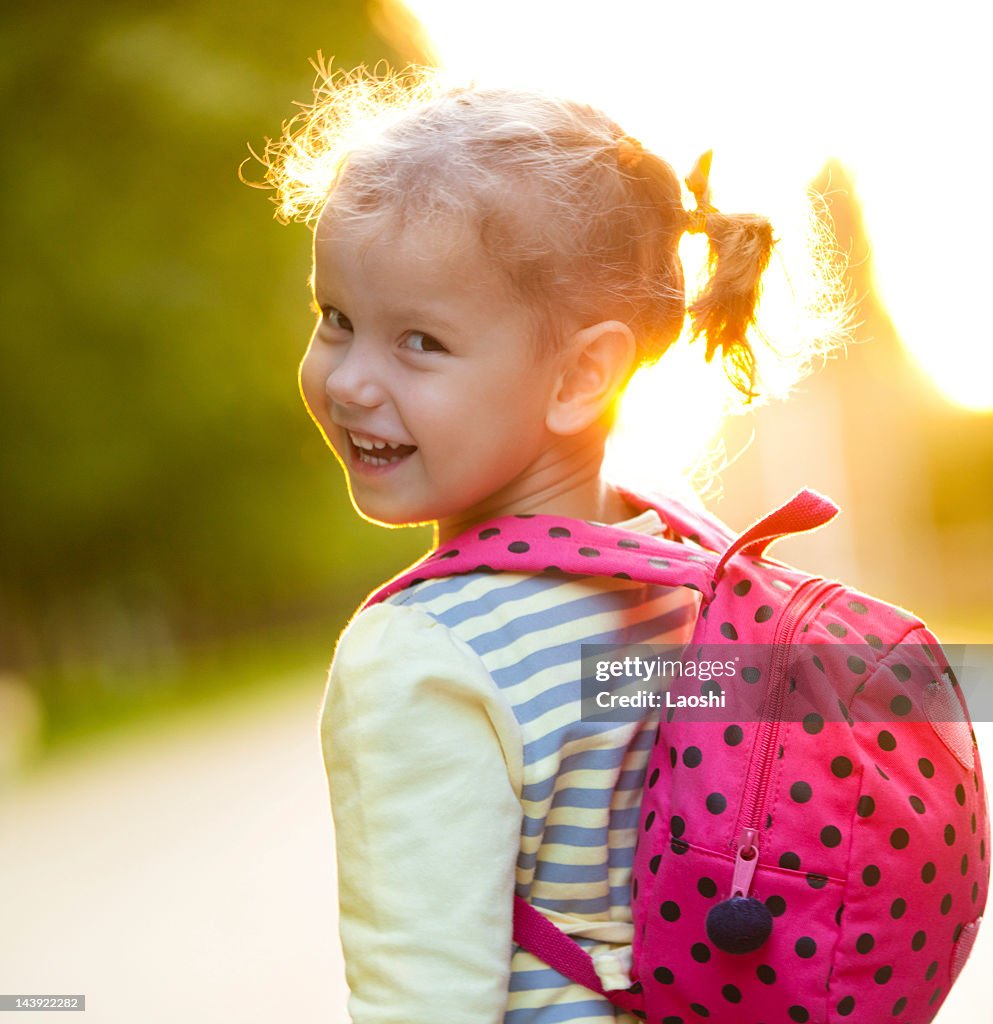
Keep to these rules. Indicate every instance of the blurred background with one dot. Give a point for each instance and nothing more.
(178, 551)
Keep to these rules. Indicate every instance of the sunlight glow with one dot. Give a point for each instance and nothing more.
(776, 88)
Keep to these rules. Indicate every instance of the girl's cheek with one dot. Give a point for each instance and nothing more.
(312, 379)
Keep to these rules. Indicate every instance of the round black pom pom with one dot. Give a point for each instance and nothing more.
(739, 925)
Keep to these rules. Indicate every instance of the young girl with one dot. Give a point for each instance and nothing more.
(490, 268)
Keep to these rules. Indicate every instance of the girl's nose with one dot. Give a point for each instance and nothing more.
(355, 381)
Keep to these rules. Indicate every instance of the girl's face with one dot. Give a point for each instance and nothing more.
(422, 376)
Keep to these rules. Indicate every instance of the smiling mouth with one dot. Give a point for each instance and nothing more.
(374, 452)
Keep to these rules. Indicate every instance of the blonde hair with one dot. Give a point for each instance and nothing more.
(582, 231)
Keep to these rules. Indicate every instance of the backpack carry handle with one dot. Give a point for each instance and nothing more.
(806, 510)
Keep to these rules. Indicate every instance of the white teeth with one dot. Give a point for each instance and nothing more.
(368, 445)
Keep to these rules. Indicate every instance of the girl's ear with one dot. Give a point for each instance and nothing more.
(597, 362)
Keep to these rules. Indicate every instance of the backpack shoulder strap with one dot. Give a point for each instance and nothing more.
(576, 547)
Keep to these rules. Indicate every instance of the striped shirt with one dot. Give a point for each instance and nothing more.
(565, 840)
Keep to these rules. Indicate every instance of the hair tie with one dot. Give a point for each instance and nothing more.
(698, 182)
(629, 152)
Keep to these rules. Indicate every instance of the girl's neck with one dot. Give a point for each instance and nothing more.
(570, 486)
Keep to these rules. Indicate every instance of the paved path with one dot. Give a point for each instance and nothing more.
(186, 874)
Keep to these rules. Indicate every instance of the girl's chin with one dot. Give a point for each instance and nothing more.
(385, 513)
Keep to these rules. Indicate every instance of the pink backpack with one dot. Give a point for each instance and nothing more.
(814, 850)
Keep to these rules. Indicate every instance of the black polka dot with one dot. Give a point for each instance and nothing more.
(813, 723)
(733, 735)
(673, 757)
(626, 543)
(865, 806)
(490, 531)
(856, 664)
(692, 756)
(801, 792)
(670, 911)
(928, 872)
(926, 768)
(518, 547)
(731, 993)
(871, 874)
(650, 820)
(818, 664)
(946, 903)
(886, 740)
(751, 674)
(658, 563)
(837, 629)
(677, 825)
(679, 846)
(699, 1009)
(899, 1006)
(763, 613)
(559, 531)
(776, 905)
(858, 607)
(589, 552)
(790, 861)
(716, 803)
(805, 947)
(728, 631)
(664, 976)
(883, 975)
(672, 1019)
(932, 970)
(743, 587)
(919, 940)
(838, 913)
(841, 767)
(864, 943)
(799, 1013)
(899, 838)
(964, 866)
(900, 705)
(707, 887)
(653, 864)
(765, 974)
(960, 795)
(949, 835)
(700, 952)
(898, 908)
(846, 1005)
(816, 881)
(873, 641)
(622, 576)
(653, 778)
(918, 804)
(831, 836)
(901, 672)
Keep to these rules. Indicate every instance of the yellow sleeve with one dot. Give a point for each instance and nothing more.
(424, 764)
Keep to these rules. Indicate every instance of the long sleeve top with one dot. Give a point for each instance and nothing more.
(460, 770)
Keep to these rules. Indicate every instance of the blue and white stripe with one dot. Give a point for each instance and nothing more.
(582, 780)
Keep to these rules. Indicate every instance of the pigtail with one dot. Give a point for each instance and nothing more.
(739, 252)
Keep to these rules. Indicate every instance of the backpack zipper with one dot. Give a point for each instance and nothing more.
(749, 823)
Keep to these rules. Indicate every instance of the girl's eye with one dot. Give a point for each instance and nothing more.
(421, 342)
(336, 318)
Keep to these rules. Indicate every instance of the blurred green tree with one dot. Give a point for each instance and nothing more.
(161, 480)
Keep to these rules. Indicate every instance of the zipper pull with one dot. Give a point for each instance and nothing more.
(741, 923)
(745, 862)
